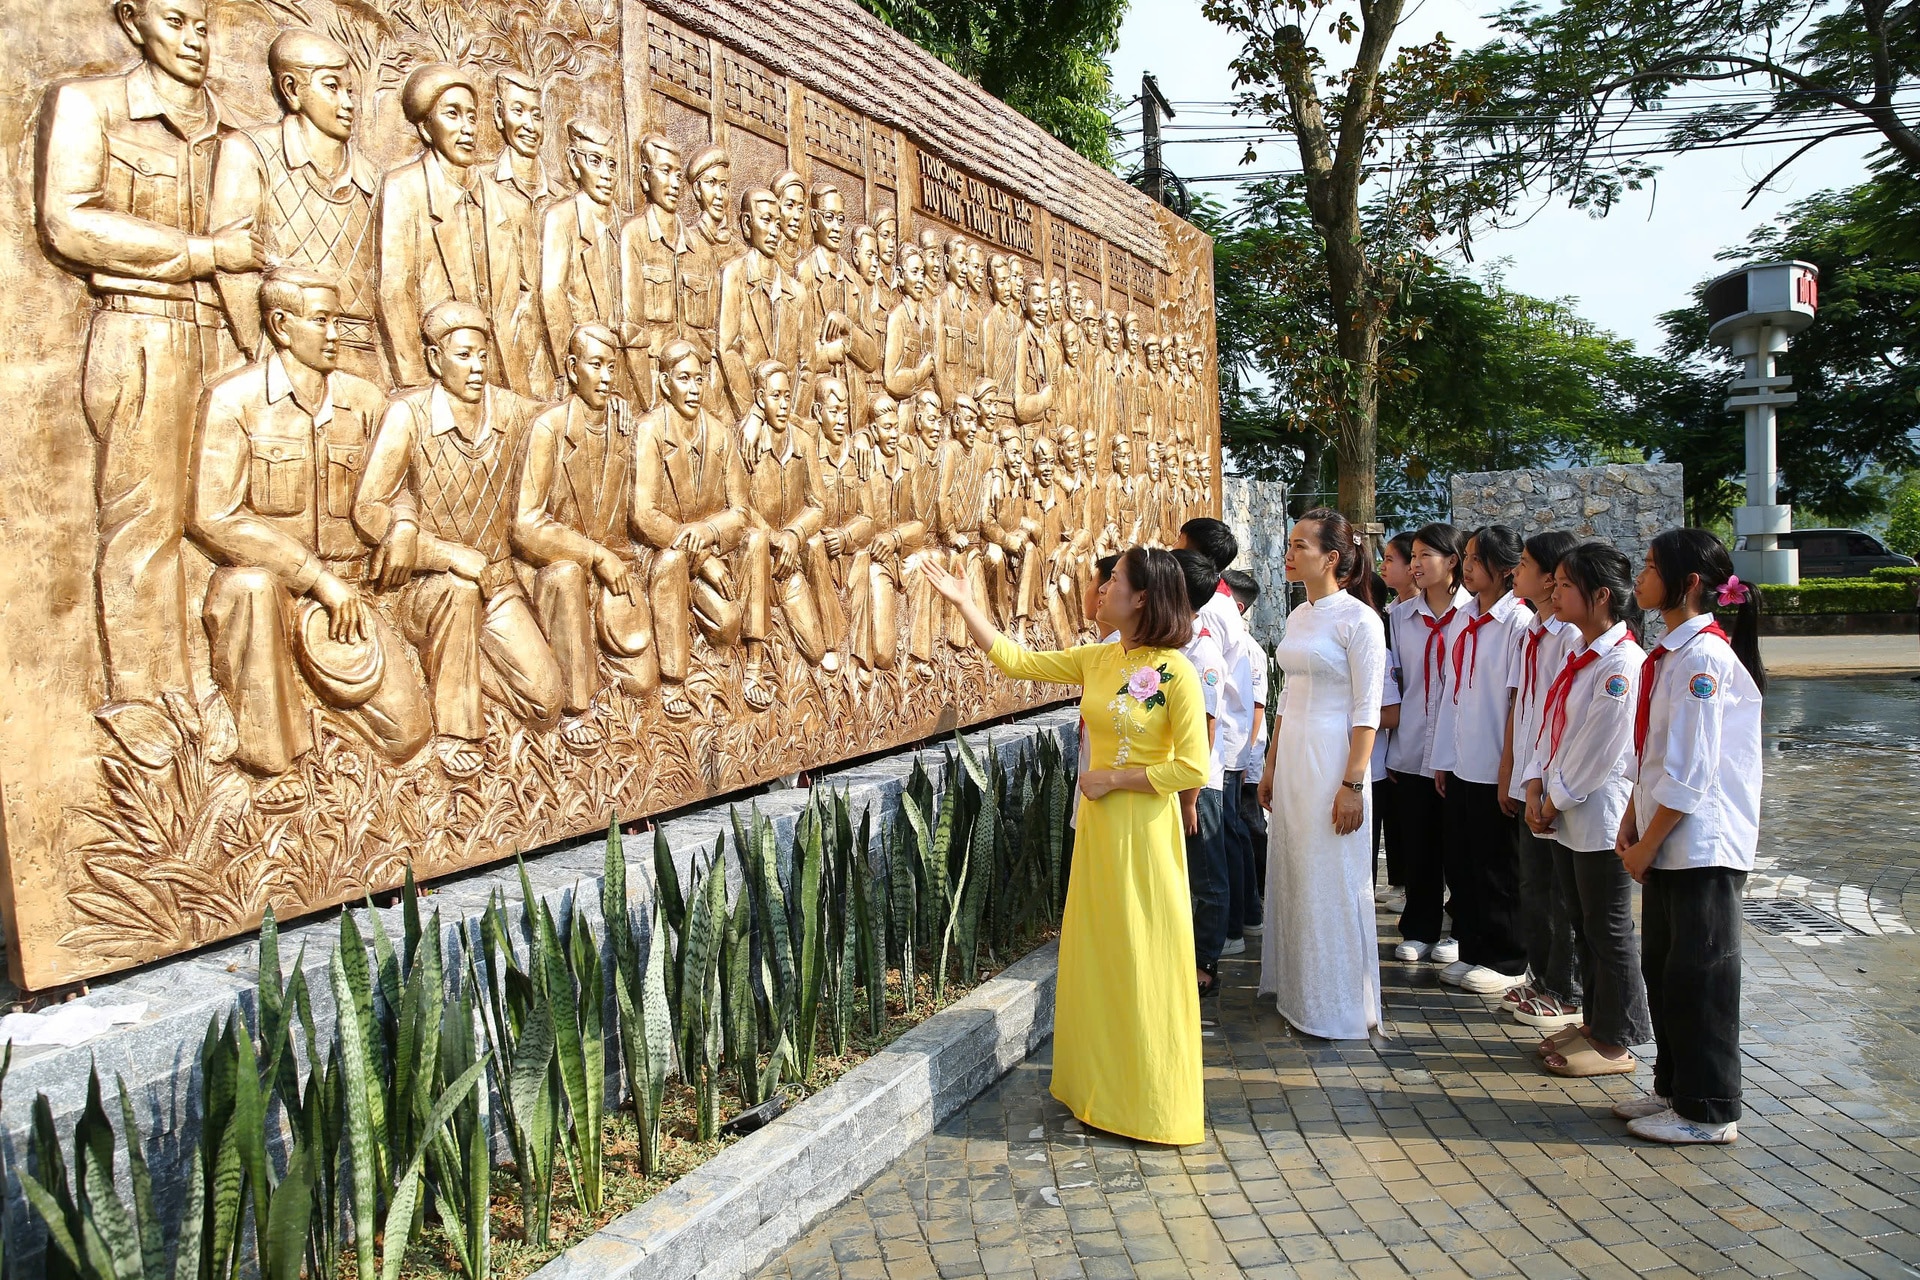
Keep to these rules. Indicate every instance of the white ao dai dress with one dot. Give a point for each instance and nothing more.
(1320, 955)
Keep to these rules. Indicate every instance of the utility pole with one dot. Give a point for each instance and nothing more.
(1152, 103)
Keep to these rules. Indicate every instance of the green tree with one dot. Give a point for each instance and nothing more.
(1474, 376)
(1566, 79)
(1853, 369)
(1903, 520)
(1047, 59)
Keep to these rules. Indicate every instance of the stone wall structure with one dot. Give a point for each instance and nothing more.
(1256, 511)
(1625, 505)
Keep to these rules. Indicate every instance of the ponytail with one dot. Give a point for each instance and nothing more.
(1683, 555)
(1497, 547)
(1337, 536)
(1593, 567)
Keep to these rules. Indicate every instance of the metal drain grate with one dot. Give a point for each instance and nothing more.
(1785, 916)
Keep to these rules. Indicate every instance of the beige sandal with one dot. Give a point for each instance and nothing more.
(1558, 1041)
(1587, 1061)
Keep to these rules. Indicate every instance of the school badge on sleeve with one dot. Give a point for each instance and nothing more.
(1703, 686)
(1616, 686)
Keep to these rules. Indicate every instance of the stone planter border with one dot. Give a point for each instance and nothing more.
(739, 1210)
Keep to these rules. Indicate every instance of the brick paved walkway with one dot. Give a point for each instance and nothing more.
(1444, 1152)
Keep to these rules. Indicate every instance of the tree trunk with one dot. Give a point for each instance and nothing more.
(1308, 489)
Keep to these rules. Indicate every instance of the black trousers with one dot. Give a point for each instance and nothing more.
(1389, 834)
(1481, 855)
(1599, 894)
(1207, 881)
(1692, 966)
(1426, 882)
(1243, 892)
(1547, 917)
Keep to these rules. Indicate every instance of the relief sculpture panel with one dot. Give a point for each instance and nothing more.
(442, 424)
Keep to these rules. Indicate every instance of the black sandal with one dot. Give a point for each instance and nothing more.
(1211, 987)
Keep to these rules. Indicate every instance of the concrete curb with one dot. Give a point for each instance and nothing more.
(727, 1218)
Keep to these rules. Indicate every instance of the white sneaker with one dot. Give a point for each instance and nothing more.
(1490, 982)
(1381, 892)
(1455, 974)
(1640, 1108)
(1411, 951)
(1671, 1127)
(1253, 930)
(1445, 951)
(1396, 901)
(1234, 947)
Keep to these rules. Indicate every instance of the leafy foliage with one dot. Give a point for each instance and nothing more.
(1047, 59)
(393, 1124)
(1853, 369)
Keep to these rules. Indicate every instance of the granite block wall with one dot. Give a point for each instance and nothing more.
(1256, 511)
(1621, 504)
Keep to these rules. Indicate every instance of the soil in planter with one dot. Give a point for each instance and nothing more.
(623, 1186)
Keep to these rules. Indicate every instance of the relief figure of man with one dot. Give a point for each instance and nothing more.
(437, 503)
(711, 244)
(956, 366)
(570, 521)
(275, 469)
(123, 174)
(1119, 501)
(965, 459)
(845, 469)
(580, 261)
(310, 191)
(446, 236)
(762, 312)
(1052, 544)
(655, 252)
(909, 356)
(690, 506)
(781, 560)
(1034, 388)
(1011, 534)
(836, 344)
(1001, 328)
(790, 190)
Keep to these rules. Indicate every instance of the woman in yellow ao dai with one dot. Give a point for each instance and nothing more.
(1126, 1043)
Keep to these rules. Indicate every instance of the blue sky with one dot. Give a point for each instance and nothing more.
(1623, 270)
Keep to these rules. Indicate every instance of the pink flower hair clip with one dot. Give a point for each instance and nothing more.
(1733, 592)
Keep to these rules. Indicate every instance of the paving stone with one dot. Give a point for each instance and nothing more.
(1442, 1152)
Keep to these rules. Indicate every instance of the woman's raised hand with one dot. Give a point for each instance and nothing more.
(945, 583)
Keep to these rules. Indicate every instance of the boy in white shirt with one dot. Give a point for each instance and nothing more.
(1201, 808)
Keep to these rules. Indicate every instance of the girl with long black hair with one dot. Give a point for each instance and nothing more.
(1578, 791)
(1418, 634)
(1691, 834)
(1480, 850)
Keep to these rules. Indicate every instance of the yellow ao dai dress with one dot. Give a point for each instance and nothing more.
(1126, 1041)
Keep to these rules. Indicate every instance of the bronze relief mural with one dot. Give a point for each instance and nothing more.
(440, 424)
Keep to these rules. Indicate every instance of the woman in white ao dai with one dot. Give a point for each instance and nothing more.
(1320, 957)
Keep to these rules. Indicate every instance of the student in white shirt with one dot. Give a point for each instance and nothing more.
(1481, 852)
(1396, 571)
(1552, 998)
(1240, 708)
(1691, 835)
(1246, 591)
(1578, 791)
(1201, 807)
(1417, 631)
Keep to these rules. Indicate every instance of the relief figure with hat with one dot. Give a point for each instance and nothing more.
(279, 456)
(445, 236)
(437, 503)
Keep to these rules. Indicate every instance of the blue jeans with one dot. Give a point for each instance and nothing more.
(1207, 881)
